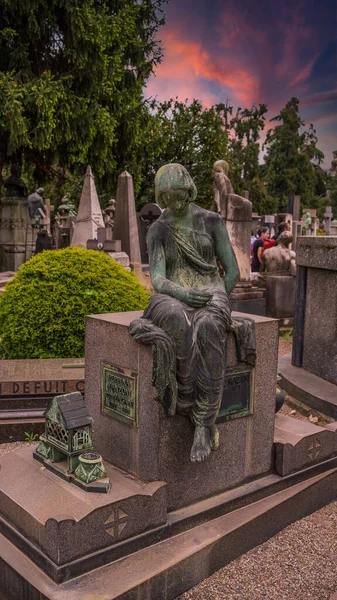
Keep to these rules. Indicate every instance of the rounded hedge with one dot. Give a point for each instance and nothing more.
(43, 309)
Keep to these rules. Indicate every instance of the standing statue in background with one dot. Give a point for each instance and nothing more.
(109, 214)
(189, 317)
(279, 260)
(222, 188)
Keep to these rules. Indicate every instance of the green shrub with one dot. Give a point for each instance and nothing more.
(43, 309)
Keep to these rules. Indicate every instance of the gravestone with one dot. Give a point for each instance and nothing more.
(89, 216)
(133, 431)
(328, 216)
(315, 327)
(126, 228)
(113, 248)
(17, 241)
(236, 213)
(278, 277)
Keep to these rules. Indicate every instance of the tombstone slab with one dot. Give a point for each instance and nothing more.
(299, 444)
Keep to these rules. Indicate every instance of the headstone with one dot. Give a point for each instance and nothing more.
(64, 224)
(126, 228)
(89, 216)
(294, 206)
(315, 328)
(133, 431)
(328, 218)
(278, 275)
(17, 241)
(236, 213)
(113, 248)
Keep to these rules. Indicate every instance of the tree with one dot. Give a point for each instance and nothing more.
(184, 133)
(71, 80)
(289, 158)
(244, 133)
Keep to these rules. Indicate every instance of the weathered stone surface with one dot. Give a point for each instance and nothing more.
(67, 522)
(126, 227)
(89, 216)
(26, 388)
(158, 449)
(280, 296)
(299, 444)
(172, 566)
(317, 252)
(17, 241)
(320, 328)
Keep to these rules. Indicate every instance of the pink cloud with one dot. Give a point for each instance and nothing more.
(188, 61)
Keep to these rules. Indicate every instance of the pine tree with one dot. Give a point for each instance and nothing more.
(71, 81)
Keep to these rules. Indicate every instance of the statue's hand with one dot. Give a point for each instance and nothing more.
(196, 298)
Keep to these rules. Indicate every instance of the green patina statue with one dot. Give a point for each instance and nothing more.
(188, 318)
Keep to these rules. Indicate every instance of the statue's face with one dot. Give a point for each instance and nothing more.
(177, 201)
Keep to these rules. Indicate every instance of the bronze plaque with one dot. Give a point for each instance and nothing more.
(119, 394)
(237, 398)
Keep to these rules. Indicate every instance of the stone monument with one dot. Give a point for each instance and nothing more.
(278, 277)
(165, 523)
(126, 228)
(236, 213)
(64, 223)
(16, 235)
(89, 216)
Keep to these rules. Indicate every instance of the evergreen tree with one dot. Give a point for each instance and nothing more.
(244, 129)
(179, 132)
(289, 158)
(71, 80)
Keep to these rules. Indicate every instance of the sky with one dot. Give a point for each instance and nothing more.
(251, 52)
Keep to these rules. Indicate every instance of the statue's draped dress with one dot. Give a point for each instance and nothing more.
(198, 335)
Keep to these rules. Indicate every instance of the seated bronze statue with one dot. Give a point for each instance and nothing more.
(189, 315)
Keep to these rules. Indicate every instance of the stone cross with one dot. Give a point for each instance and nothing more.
(328, 216)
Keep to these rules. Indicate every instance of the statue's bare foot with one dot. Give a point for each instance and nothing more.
(215, 438)
(201, 448)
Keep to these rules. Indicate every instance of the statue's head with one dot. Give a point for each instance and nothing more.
(174, 188)
(285, 238)
(221, 165)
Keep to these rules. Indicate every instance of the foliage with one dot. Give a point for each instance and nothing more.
(43, 309)
(244, 128)
(290, 157)
(31, 437)
(71, 80)
(184, 133)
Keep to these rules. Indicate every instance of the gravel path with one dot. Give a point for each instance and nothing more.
(299, 563)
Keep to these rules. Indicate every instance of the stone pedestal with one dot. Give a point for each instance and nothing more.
(280, 296)
(16, 235)
(315, 328)
(148, 444)
(245, 297)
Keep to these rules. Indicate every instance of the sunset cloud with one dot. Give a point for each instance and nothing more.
(261, 53)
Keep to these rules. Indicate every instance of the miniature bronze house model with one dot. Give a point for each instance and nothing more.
(68, 430)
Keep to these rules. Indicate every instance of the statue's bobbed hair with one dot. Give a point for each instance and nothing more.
(173, 177)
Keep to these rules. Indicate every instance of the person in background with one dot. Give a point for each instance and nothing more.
(258, 249)
(281, 228)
